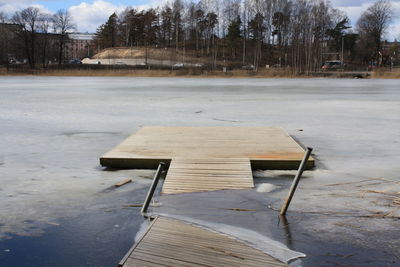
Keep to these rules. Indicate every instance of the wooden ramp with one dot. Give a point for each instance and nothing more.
(169, 242)
(195, 175)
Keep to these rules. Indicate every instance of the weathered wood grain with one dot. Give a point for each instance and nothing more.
(169, 242)
(195, 175)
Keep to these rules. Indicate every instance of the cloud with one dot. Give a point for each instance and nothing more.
(16, 1)
(336, 3)
(354, 12)
(89, 16)
(395, 27)
(10, 9)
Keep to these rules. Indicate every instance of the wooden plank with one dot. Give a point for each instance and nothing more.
(265, 145)
(209, 256)
(185, 175)
(161, 260)
(139, 262)
(125, 258)
(124, 182)
(170, 242)
(205, 242)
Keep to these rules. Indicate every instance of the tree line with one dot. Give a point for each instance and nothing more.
(296, 33)
(300, 34)
(35, 36)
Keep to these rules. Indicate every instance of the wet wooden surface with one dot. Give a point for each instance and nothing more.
(169, 242)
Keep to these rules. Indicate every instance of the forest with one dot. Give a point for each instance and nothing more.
(300, 34)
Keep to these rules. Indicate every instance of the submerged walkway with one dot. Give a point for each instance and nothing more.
(202, 159)
(169, 242)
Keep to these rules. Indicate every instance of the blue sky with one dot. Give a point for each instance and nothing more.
(89, 14)
(54, 5)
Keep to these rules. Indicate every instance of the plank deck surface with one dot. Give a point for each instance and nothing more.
(169, 242)
(266, 147)
(195, 175)
(207, 158)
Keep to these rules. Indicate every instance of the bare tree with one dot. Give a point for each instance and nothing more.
(374, 22)
(27, 21)
(45, 21)
(230, 18)
(62, 23)
(3, 17)
(166, 19)
(293, 33)
(3, 40)
(177, 8)
(337, 30)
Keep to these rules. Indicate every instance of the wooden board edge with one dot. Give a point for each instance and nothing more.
(260, 164)
(132, 163)
(207, 190)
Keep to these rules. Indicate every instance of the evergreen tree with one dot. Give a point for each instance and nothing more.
(234, 35)
(106, 34)
(338, 32)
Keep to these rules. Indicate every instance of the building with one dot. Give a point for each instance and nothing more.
(10, 48)
(390, 53)
(79, 45)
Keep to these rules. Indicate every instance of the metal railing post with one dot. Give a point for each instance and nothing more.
(152, 189)
(296, 180)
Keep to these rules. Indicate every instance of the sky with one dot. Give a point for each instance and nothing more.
(88, 15)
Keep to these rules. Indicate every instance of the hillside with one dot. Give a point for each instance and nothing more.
(157, 54)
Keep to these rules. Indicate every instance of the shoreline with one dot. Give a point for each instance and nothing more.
(195, 73)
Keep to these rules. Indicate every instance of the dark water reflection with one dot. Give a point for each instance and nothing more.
(99, 236)
(248, 209)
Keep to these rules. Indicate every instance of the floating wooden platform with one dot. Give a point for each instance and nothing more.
(265, 147)
(207, 158)
(169, 242)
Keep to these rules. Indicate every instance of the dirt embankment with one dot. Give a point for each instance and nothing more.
(169, 54)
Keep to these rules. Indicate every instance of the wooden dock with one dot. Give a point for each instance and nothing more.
(170, 242)
(265, 147)
(202, 159)
(207, 158)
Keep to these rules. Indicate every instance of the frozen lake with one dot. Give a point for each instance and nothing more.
(58, 206)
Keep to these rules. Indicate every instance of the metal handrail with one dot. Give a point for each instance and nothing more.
(296, 180)
(152, 189)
